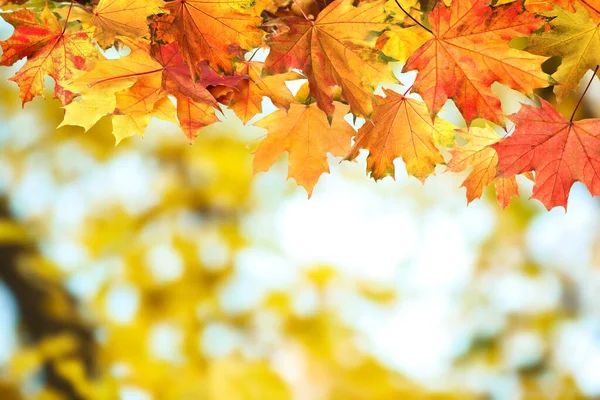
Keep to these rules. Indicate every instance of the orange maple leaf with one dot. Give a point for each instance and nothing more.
(212, 30)
(246, 101)
(560, 152)
(482, 159)
(305, 133)
(50, 50)
(193, 115)
(469, 52)
(334, 50)
(593, 7)
(401, 127)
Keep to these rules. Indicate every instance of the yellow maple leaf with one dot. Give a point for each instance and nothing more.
(247, 100)
(482, 159)
(575, 37)
(113, 18)
(305, 133)
(98, 87)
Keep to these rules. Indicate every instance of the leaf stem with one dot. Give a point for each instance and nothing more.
(68, 15)
(584, 92)
(114, 78)
(413, 18)
(253, 54)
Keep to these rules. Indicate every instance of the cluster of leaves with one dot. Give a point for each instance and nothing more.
(191, 57)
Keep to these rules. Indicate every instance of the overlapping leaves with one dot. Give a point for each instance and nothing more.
(189, 59)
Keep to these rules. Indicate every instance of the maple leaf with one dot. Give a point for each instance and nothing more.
(400, 41)
(128, 120)
(469, 52)
(5, 3)
(560, 152)
(136, 105)
(593, 6)
(402, 127)
(543, 5)
(482, 159)
(134, 89)
(306, 134)
(211, 30)
(246, 102)
(50, 50)
(99, 86)
(193, 116)
(575, 37)
(400, 44)
(334, 50)
(113, 18)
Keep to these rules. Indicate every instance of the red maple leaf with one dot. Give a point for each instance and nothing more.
(561, 152)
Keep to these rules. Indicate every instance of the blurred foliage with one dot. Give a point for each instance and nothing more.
(71, 346)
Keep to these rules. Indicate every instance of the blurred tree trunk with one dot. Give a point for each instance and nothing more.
(33, 296)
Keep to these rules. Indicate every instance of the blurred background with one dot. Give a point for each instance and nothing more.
(161, 270)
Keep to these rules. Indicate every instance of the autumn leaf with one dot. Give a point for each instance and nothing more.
(575, 37)
(176, 78)
(543, 5)
(334, 50)
(211, 30)
(560, 152)
(99, 86)
(247, 99)
(402, 127)
(400, 44)
(50, 50)
(15, 4)
(469, 52)
(593, 6)
(113, 18)
(193, 116)
(6, 2)
(482, 159)
(134, 88)
(306, 134)
(136, 105)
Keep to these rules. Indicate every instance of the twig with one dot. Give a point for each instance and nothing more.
(253, 54)
(584, 92)
(68, 15)
(413, 18)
